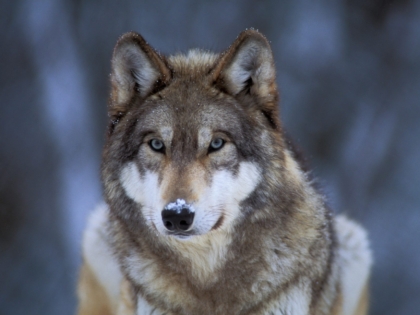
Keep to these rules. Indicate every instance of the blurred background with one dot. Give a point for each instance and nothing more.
(349, 74)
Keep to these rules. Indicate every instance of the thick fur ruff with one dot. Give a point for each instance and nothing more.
(209, 209)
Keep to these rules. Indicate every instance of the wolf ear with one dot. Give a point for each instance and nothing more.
(247, 66)
(136, 69)
(246, 71)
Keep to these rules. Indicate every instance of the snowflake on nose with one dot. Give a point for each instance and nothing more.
(179, 205)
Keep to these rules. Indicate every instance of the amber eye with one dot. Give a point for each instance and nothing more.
(157, 145)
(216, 144)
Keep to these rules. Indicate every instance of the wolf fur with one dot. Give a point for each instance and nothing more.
(201, 132)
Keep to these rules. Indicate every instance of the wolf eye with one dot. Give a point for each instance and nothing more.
(157, 145)
(216, 144)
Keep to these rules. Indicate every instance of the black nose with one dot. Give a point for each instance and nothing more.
(178, 218)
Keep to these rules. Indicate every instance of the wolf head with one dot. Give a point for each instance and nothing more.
(191, 136)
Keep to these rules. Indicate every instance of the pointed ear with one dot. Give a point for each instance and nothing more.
(246, 71)
(247, 66)
(137, 69)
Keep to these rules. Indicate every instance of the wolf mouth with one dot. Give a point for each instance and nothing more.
(192, 233)
(182, 236)
(219, 223)
(179, 235)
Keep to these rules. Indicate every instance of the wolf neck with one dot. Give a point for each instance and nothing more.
(203, 255)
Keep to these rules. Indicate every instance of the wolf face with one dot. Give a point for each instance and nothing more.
(189, 133)
(188, 188)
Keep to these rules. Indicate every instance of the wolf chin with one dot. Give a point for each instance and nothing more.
(208, 208)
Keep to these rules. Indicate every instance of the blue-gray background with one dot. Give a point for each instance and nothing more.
(349, 73)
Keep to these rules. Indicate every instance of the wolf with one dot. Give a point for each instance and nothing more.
(208, 208)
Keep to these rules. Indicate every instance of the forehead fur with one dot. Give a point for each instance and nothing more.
(196, 62)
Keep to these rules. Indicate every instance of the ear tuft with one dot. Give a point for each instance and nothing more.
(136, 67)
(247, 65)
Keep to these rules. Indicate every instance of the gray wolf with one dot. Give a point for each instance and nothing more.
(208, 208)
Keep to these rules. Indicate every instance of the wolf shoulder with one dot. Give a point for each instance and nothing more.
(355, 260)
(100, 277)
